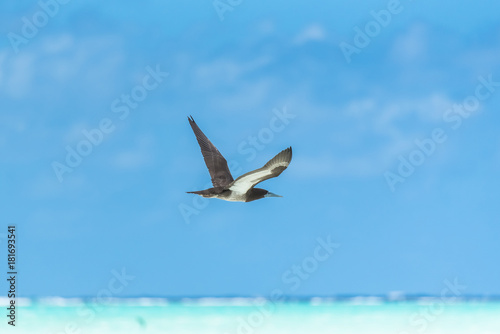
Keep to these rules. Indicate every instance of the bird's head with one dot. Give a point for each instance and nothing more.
(258, 193)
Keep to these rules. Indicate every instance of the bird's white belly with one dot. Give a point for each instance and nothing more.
(230, 199)
(234, 197)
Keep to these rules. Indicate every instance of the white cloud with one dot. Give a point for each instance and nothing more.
(131, 159)
(139, 156)
(360, 164)
(225, 81)
(74, 133)
(382, 116)
(226, 70)
(367, 135)
(249, 96)
(411, 46)
(481, 61)
(58, 43)
(428, 109)
(312, 33)
(88, 59)
(17, 73)
(57, 60)
(266, 27)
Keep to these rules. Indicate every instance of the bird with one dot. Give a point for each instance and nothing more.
(243, 188)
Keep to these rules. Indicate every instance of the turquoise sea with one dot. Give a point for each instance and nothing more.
(235, 316)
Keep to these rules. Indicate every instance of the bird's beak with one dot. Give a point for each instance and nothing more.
(270, 194)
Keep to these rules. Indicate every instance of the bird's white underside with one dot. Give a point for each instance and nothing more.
(242, 185)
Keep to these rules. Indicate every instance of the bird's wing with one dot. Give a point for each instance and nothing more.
(273, 168)
(216, 164)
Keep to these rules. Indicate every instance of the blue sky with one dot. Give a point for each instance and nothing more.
(350, 124)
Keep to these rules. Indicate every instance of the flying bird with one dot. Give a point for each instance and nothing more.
(243, 188)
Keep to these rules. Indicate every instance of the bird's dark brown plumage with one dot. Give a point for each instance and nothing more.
(216, 164)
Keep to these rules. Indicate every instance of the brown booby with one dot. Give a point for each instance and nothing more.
(243, 188)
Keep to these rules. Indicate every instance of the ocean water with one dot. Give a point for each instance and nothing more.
(256, 316)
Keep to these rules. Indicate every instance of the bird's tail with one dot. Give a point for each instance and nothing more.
(195, 192)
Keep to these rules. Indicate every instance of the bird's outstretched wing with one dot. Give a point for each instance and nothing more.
(216, 164)
(272, 168)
